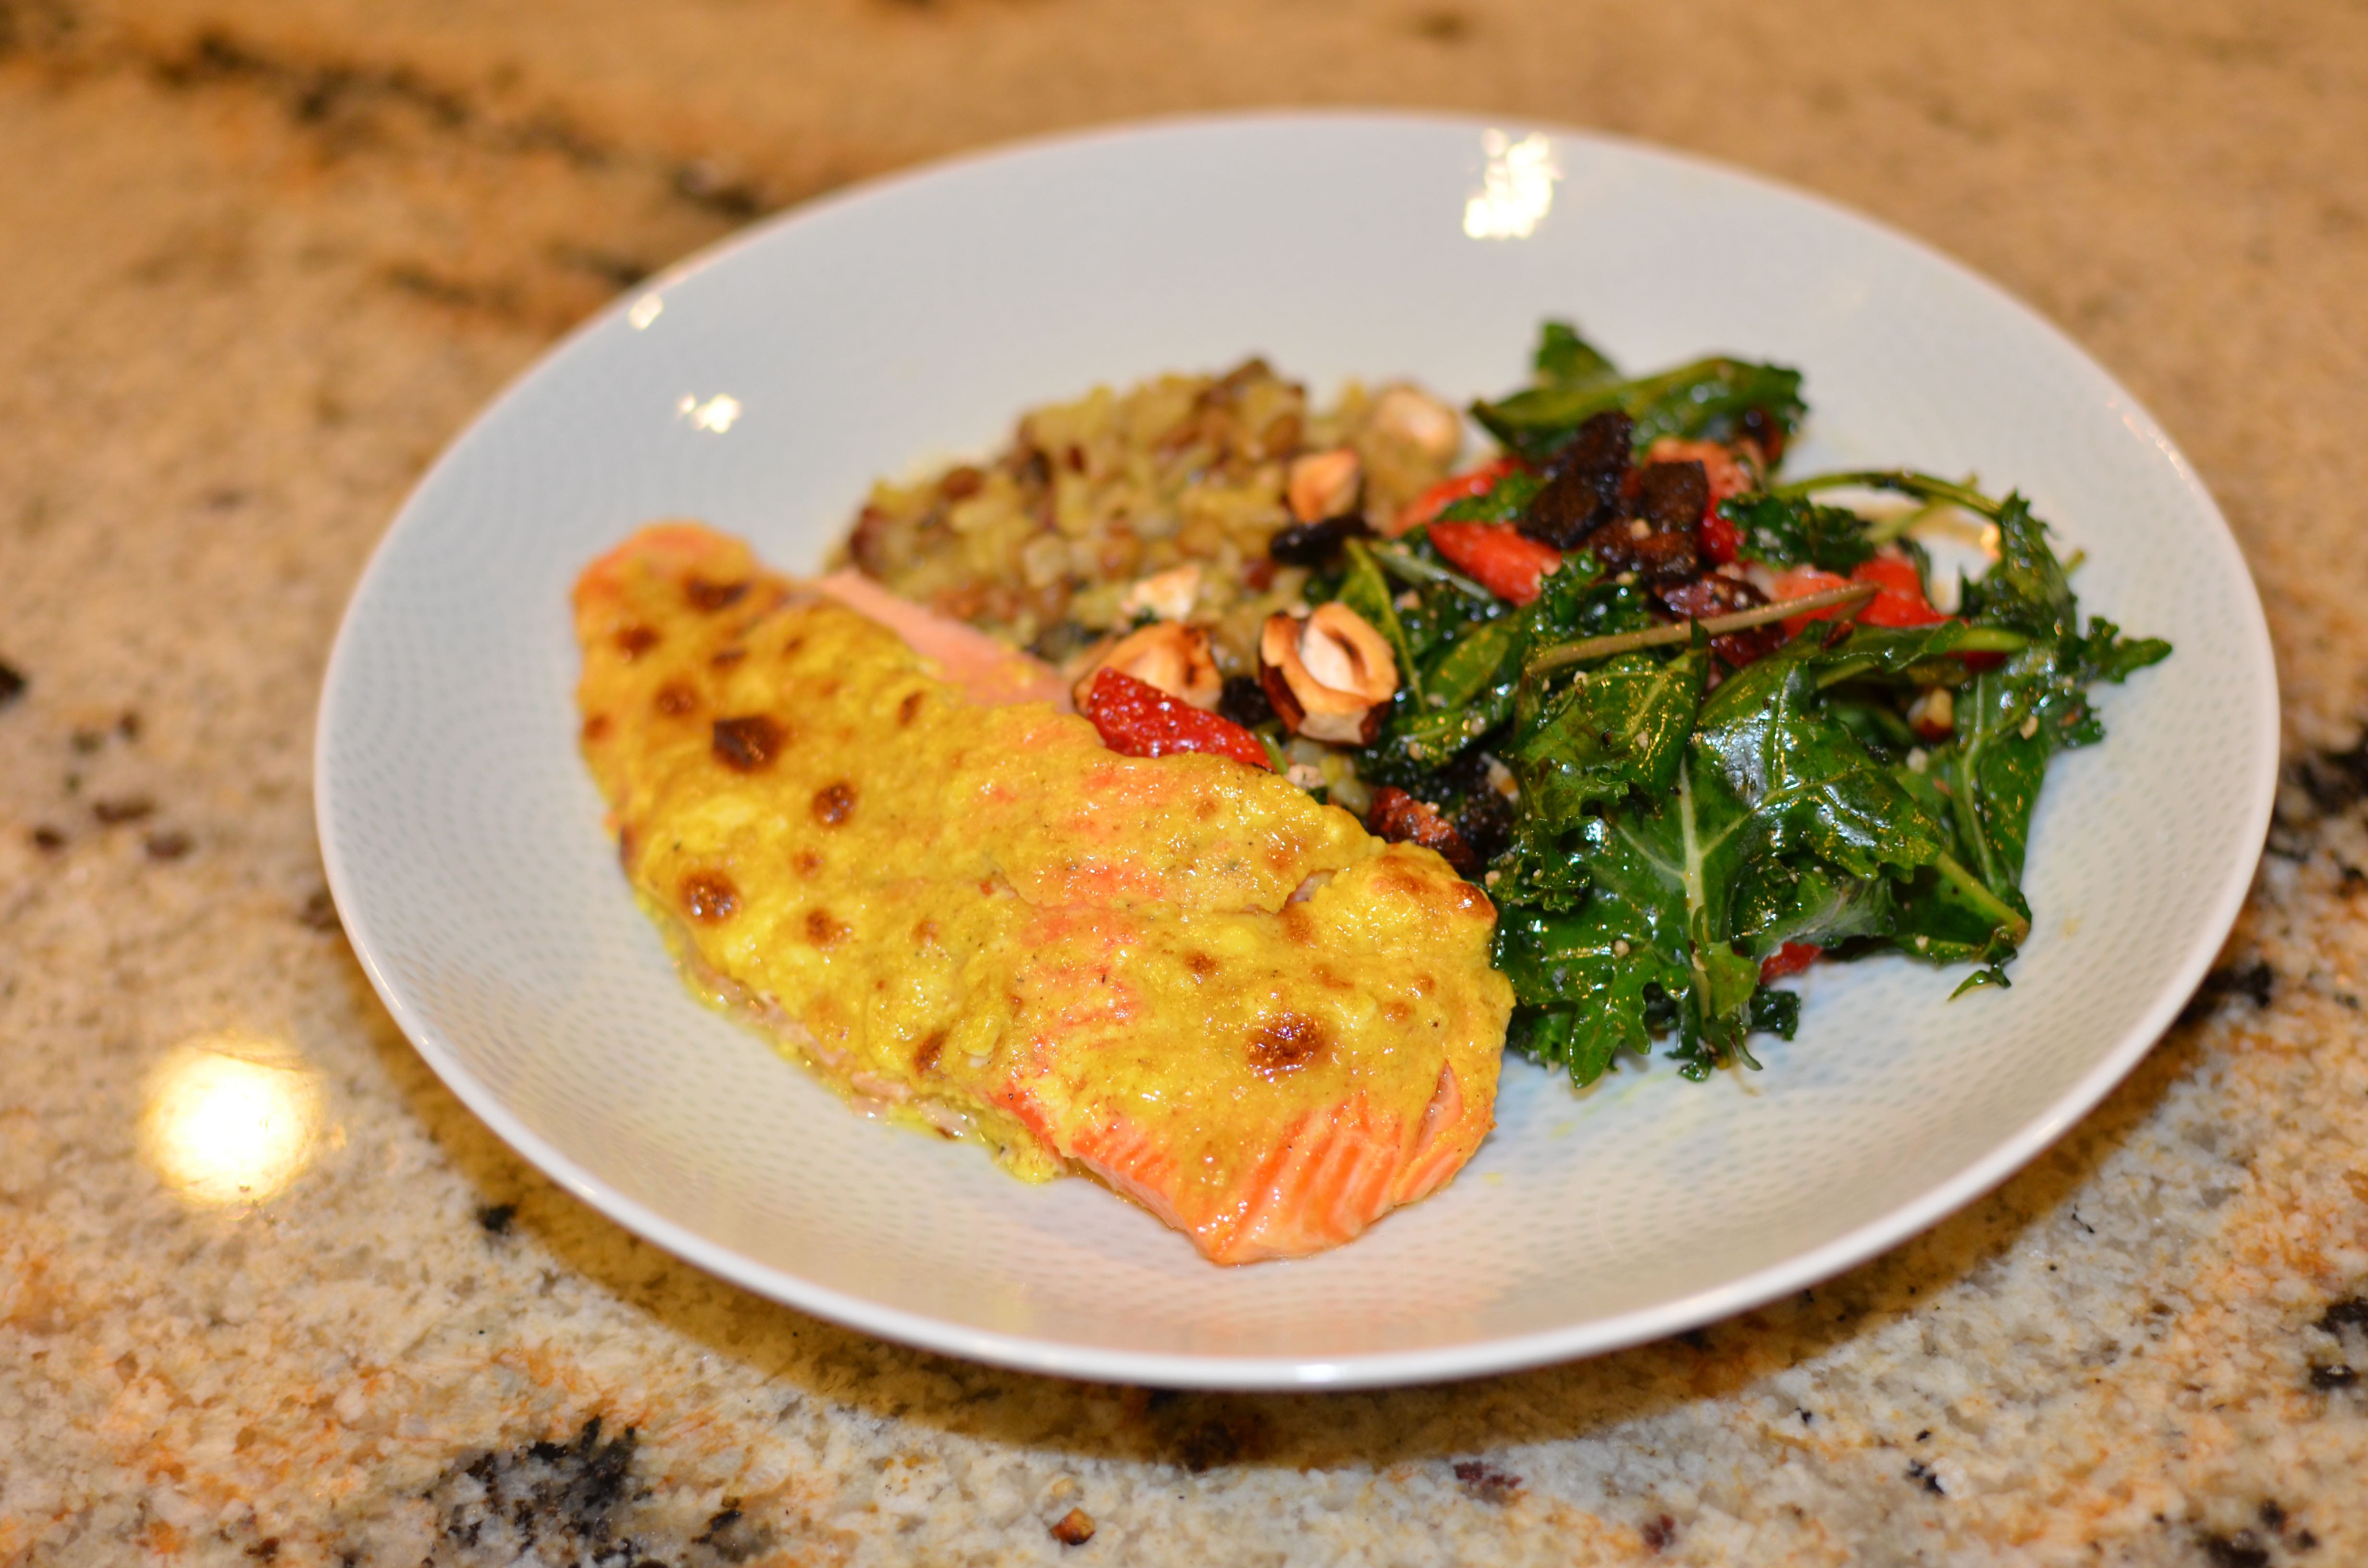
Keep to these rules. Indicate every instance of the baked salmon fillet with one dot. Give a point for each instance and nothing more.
(1182, 976)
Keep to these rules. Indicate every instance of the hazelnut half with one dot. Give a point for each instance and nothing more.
(1324, 484)
(1168, 654)
(1421, 421)
(1329, 676)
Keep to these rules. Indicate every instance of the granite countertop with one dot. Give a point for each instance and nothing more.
(264, 259)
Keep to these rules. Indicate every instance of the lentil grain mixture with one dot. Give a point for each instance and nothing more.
(1164, 500)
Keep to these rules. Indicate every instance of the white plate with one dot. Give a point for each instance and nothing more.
(761, 386)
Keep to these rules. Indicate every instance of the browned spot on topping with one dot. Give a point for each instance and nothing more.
(925, 1059)
(821, 930)
(960, 483)
(708, 598)
(1285, 1043)
(710, 897)
(1206, 807)
(1202, 965)
(123, 808)
(793, 647)
(628, 841)
(724, 658)
(834, 804)
(1331, 980)
(635, 641)
(827, 687)
(595, 727)
(910, 709)
(807, 862)
(1425, 985)
(674, 699)
(1396, 1011)
(749, 743)
(1298, 924)
(925, 933)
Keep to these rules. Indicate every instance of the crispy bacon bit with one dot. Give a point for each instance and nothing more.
(1584, 481)
(635, 641)
(1073, 1529)
(710, 897)
(708, 598)
(674, 699)
(1400, 818)
(749, 743)
(1716, 594)
(930, 1049)
(1672, 495)
(1656, 556)
(1285, 1043)
(834, 804)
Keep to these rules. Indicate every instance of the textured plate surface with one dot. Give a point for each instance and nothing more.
(761, 386)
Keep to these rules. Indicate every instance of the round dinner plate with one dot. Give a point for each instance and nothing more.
(761, 386)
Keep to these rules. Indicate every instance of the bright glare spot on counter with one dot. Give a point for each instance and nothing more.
(716, 414)
(1515, 187)
(231, 1118)
(645, 309)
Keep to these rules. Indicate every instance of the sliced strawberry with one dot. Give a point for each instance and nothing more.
(1137, 719)
(1507, 562)
(1448, 492)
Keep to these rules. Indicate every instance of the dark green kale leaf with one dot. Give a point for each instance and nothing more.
(1796, 898)
(1566, 360)
(2026, 589)
(1468, 692)
(1619, 727)
(1502, 501)
(1706, 399)
(1365, 590)
(1810, 783)
(1794, 531)
(2102, 653)
(1647, 934)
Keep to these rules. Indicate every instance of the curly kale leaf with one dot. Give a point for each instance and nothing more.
(1619, 727)
(1575, 381)
(1566, 360)
(2026, 589)
(1647, 934)
(1502, 501)
(1797, 532)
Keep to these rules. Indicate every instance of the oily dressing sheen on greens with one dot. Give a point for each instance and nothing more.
(1683, 816)
(1691, 726)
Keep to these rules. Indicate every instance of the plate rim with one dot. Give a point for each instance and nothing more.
(1471, 1359)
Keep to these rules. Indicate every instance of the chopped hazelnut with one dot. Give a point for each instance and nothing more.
(1324, 484)
(1329, 676)
(1168, 654)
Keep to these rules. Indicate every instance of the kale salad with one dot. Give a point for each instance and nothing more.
(1697, 727)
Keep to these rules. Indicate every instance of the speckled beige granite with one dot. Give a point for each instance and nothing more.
(262, 260)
